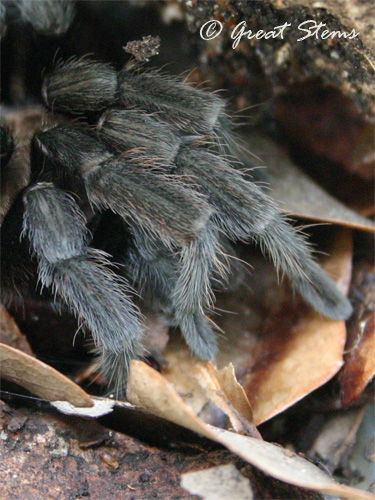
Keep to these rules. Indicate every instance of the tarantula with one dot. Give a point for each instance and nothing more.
(153, 162)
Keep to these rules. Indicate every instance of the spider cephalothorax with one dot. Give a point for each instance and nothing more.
(157, 158)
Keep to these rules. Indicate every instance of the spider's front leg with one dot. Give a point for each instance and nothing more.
(80, 276)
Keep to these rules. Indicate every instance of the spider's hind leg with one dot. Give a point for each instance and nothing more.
(244, 212)
(200, 262)
(177, 285)
(80, 276)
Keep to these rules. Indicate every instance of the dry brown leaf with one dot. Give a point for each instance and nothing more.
(218, 483)
(227, 382)
(309, 357)
(340, 263)
(179, 371)
(159, 398)
(359, 366)
(10, 334)
(151, 391)
(39, 378)
(293, 355)
(297, 194)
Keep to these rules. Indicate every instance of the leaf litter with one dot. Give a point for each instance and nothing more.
(279, 357)
(151, 391)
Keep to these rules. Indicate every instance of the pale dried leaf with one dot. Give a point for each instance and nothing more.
(233, 390)
(101, 406)
(179, 371)
(359, 367)
(150, 391)
(39, 378)
(218, 483)
(336, 438)
(199, 382)
(339, 265)
(297, 194)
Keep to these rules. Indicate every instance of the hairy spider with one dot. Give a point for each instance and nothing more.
(152, 162)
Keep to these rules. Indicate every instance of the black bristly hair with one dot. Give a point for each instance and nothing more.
(161, 157)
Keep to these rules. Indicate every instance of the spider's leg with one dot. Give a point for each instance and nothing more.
(80, 85)
(132, 129)
(231, 146)
(153, 200)
(179, 285)
(244, 212)
(152, 269)
(80, 276)
(185, 107)
(193, 296)
(162, 206)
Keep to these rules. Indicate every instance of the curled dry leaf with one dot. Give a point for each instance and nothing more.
(151, 391)
(218, 483)
(289, 370)
(307, 199)
(39, 378)
(181, 370)
(312, 353)
(200, 382)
